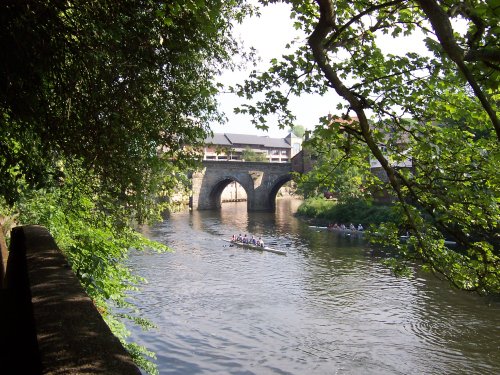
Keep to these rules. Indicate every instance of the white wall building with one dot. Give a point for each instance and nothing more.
(230, 146)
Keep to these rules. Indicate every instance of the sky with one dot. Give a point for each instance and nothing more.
(269, 34)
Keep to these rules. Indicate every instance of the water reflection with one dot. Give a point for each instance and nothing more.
(328, 307)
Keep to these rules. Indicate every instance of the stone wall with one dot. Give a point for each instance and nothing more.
(48, 324)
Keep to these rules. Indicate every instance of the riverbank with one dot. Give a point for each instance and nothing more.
(319, 211)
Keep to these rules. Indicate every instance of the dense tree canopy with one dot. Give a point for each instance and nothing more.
(101, 106)
(450, 93)
(108, 84)
(334, 172)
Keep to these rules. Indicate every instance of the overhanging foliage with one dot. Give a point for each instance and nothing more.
(102, 104)
(450, 92)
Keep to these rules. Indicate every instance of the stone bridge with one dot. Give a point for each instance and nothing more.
(261, 181)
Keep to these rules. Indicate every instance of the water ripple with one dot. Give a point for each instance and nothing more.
(328, 307)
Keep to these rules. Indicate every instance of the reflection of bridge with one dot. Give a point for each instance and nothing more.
(261, 182)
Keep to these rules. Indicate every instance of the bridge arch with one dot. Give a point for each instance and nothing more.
(261, 181)
(218, 188)
(274, 190)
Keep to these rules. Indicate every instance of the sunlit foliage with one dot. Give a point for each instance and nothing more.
(450, 91)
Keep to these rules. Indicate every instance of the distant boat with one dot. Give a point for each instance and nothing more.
(255, 247)
(317, 227)
(446, 242)
(347, 232)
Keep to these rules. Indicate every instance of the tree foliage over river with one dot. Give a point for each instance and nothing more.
(91, 92)
(97, 101)
(451, 94)
(356, 211)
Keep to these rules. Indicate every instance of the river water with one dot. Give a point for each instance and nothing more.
(329, 307)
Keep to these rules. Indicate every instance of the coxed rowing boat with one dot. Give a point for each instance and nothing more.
(258, 248)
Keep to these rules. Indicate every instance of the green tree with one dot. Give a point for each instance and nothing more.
(225, 150)
(250, 155)
(344, 174)
(299, 130)
(109, 84)
(451, 94)
(102, 105)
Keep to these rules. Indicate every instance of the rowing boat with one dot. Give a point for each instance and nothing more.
(258, 248)
(446, 242)
(346, 232)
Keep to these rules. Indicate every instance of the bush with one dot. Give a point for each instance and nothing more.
(357, 211)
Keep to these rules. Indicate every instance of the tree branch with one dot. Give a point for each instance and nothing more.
(444, 32)
(323, 28)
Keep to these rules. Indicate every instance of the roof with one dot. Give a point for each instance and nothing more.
(218, 139)
(246, 139)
